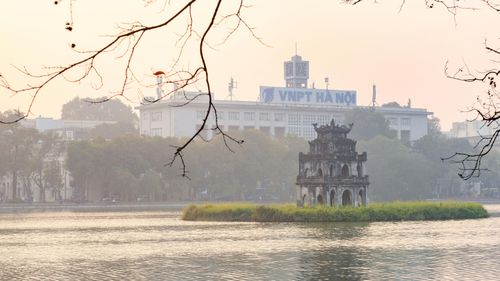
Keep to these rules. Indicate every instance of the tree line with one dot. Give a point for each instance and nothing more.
(129, 167)
(30, 163)
(132, 168)
(265, 168)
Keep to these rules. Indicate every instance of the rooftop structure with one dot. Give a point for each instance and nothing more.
(278, 111)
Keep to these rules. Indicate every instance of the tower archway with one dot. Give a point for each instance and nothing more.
(320, 199)
(347, 198)
(332, 197)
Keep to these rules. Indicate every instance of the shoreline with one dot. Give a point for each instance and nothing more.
(160, 206)
(92, 207)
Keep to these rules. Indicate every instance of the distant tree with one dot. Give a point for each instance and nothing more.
(17, 143)
(90, 109)
(189, 68)
(433, 126)
(81, 163)
(53, 178)
(433, 147)
(44, 158)
(110, 131)
(391, 104)
(487, 106)
(368, 124)
(397, 173)
(152, 186)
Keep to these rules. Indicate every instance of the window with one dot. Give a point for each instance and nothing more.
(249, 116)
(70, 135)
(308, 120)
(156, 116)
(323, 119)
(265, 130)
(279, 132)
(156, 132)
(405, 136)
(220, 115)
(392, 121)
(279, 117)
(233, 116)
(200, 114)
(294, 131)
(264, 116)
(308, 132)
(405, 121)
(294, 119)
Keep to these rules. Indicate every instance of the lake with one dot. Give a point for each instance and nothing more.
(157, 245)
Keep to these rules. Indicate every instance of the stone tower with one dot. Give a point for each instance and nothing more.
(332, 172)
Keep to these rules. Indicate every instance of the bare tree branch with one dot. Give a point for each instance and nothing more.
(131, 36)
(486, 109)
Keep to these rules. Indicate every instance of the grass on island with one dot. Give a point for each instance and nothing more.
(393, 211)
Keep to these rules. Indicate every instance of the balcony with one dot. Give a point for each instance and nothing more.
(315, 180)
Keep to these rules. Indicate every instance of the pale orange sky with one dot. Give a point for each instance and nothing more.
(355, 46)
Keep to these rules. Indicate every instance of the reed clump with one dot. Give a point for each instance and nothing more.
(392, 211)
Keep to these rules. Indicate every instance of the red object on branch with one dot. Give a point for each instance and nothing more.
(157, 73)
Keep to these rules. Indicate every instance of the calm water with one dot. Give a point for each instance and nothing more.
(159, 246)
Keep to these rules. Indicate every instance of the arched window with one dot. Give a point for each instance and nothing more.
(306, 171)
(332, 197)
(320, 199)
(345, 171)
(320, 172)
(347, 198)
(331, 171)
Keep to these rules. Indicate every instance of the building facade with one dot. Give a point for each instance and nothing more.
(279, 111)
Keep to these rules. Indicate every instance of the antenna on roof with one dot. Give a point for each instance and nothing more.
(374, 96)
(327, 82)
(231, 86)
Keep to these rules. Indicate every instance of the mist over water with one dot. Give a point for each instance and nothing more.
(160, 246)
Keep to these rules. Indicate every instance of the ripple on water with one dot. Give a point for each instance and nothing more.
(159, 246)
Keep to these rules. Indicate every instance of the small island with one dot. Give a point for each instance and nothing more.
(337, 195)
(393, 211)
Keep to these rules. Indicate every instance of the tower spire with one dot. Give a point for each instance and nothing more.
(296, 71)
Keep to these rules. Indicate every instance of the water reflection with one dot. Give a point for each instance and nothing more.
(343, 261)
(159, 246)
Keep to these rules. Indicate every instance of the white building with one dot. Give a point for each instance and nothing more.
(280, 111)
(67, 130)
(471, 129)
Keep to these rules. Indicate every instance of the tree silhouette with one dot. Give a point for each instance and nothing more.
(486, 109)
(131, 37)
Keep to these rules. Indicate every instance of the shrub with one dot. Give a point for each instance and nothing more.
(394, 211)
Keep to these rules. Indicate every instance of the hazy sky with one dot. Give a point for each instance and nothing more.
(403, 53)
